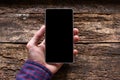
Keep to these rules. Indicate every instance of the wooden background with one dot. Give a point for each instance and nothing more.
(99, 48)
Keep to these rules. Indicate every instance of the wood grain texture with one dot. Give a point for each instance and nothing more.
(11, 58)
(97, 20)
(94, 62)
(92, 27)
(79, 6)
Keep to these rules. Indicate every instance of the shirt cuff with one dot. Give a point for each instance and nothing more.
(34, 70)
(39, 65)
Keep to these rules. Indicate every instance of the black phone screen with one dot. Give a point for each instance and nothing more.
(59, 35)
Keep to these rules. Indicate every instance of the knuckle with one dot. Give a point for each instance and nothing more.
(42, 46)
(28, 45)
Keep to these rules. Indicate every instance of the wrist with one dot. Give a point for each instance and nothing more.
(36, 63)
(42, 63)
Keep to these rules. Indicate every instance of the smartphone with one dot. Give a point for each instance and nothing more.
(59, 35)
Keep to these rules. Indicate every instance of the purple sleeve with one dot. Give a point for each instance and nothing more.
(33, 71)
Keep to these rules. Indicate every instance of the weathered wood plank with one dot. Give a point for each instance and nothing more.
(82, 6)
(98, 27)
(94, 62)
(92, 27)
(17, 30)
(91, 68)
(99, 49)
(11, 58)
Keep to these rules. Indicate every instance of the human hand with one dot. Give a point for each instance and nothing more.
(37, 51)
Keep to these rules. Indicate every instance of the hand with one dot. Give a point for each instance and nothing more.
(37, 51)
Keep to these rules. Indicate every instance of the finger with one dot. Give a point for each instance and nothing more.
(43, 42)
(75, 31)
(42, 45)
(75, 52)
(38, 35)
(55, 68)
(76, 38)
(57, 64)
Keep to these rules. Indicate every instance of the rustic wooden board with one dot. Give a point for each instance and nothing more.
(99, 25)
(94, 62)
(82, 6)
(16, 30)
(11, 58)
(92, 27)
